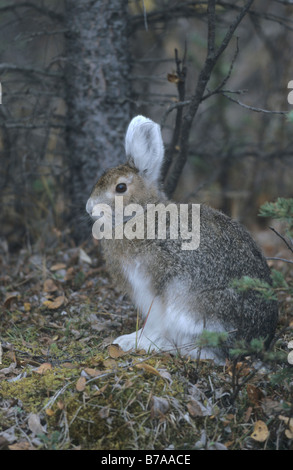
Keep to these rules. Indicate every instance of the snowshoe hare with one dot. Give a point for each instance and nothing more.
(180, 292)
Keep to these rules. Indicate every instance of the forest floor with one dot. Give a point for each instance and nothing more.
(64, 386)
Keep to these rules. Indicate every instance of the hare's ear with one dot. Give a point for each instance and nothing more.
(144, 147)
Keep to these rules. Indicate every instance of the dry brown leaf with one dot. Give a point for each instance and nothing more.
(60, 404)
(247, 414)
(54, 304)
(289, 423)
(69, 365)
(240, 369)
(58, 266)
(49, 286)
(93, 372)
(147, 368)
(194, 408)
(110, 364)
(254, 394)
(80, 384)
(116, 351)
(173, 78)
(43, 368)
(159, 407)
(260, 432)
(9, 299)
(288, 433)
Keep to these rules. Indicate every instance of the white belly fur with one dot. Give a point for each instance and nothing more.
(169, 324)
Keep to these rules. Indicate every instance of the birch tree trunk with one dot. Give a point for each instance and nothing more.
(98, 88)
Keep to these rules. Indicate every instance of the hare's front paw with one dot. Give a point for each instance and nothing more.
(127, 342)
(135, 340)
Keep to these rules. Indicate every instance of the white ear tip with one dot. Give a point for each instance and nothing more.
(134, 130)
(144, 147)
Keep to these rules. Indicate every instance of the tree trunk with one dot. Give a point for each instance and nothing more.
(98, 88)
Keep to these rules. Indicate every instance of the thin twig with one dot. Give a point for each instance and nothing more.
(181, 71)
(253, 108)
(212, 57)
(280, 259)
(282, 238)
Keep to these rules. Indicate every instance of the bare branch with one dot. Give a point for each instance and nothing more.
(223, 83)
(211, 27)
(253, 108)
(211, 59)
(290, 247)
(180, 78)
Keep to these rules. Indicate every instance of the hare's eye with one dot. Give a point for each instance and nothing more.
(121, 188)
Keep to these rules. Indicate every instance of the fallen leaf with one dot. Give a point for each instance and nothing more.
(115, 351)
(68, 365)
(34, 423)
(240, 369)
(9, 299)
(110, 364)
(289, 423)
(247, 414)
(43, 368)
(80, 384)
(173, 78)
(196, 408)
(54, 304)
(254, 394)
(159, 407)
(92, 372)
(49, 286)
(147, 368)
(288, 433)
(57, 266)
(260, 432)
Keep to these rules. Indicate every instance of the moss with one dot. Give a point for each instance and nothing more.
(34, 390)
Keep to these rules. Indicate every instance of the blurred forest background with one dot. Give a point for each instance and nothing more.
(74, 73)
